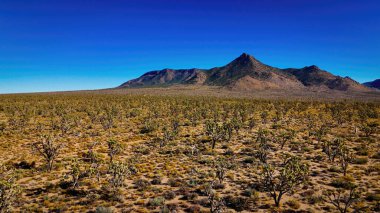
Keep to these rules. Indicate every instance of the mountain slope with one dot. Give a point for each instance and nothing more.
(168, 77)
(248, 73)
(373, 84)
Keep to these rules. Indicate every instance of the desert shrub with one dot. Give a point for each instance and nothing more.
(169, 195)
(361, 150)
(293, 204)
(236, 203)
(3, 126)
(157, 201)
(149, 126)
(369, 128)
(102, 209)
(345, 182)
(219, 186)
(169, 208)
(251, 193)
(373, 169)
(190, 196)
(360, 160)
(175, 182)
(229, 152)
(156, 181)
(144, 150)
(373, 197)
(217, 203)
(334, 169)
(376, 155)
(25, 165)
(249, 160)
(142, 184)
(194, 209)
(315, 199)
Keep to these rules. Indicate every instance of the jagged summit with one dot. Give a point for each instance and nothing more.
(247, 73)
(246, 60)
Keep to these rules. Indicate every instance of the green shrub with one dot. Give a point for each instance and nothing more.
(169, 195)
(293, 204)
(360, 160)
(157, 201)
(237, 203)
(344, 182)
(102, 209)
(373, 197)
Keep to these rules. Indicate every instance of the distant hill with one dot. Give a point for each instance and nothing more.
(248, 74)
(373, 84)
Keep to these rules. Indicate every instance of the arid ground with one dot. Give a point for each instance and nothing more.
(122, 151)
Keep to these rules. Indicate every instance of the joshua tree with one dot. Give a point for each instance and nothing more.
(108, 118)
(236, 124)
(340, 199)
(118, 172)
(215, 131)
(369, 128)
(285, 179)
(8, 193)
(168, 135)
(228, 128)
(345, 157)
(217, 204)
(221, 169)
(321, 132)
(262, 139)
(48, 149)
(114, 148)
(65, 124)
(286, 137)
(332, 148)
(76, 172)
(8, 189)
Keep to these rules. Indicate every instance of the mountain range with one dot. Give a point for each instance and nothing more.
(246, 73)
(373, 84)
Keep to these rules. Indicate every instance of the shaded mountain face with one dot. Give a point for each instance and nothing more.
(167, 77)
(247, 73)
(373, 84)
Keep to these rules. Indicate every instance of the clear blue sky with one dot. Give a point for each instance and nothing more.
(49, 45)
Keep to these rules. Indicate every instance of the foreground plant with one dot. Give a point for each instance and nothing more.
(48, 149)
(283, 180)
(341, 199)
(8, 191)
(118, 172)
(114, 148)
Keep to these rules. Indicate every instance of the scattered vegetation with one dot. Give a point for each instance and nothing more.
(139, 153)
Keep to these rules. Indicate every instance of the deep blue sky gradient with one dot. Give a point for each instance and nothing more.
(50, 45)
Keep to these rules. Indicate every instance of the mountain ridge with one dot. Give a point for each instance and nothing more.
(373, 84)
(247, 73)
